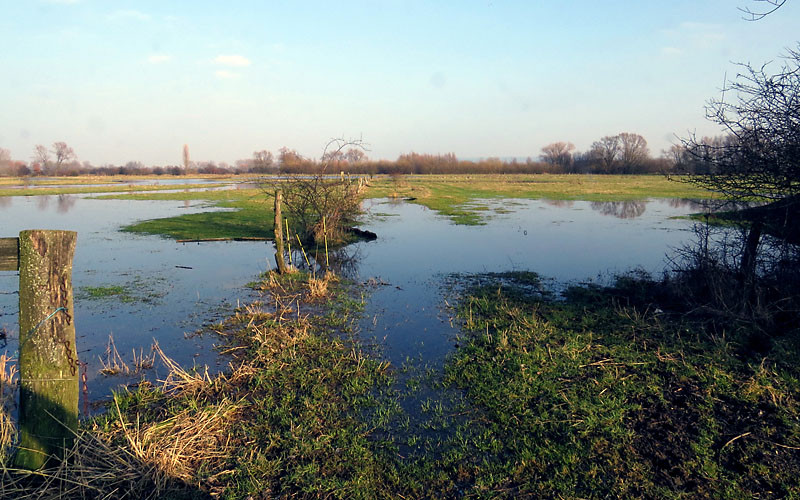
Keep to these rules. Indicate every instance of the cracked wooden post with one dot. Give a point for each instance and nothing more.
(48, 359)
(279, 233)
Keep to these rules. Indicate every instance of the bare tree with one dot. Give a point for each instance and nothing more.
(355, 156)
(63, 154)
(323, 204)
(5, 162)
(760, 112)
(633, 151)
(263, 161)
(607, 151)
(558, 153)
(760, 157)
(41, 158)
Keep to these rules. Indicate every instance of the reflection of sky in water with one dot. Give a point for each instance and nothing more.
(167, 301)
(415, 251)
(566, 241)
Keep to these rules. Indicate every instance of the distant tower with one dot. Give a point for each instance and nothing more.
(186, 156)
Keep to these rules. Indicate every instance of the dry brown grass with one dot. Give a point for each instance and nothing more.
(131, 458)
(113, 364)
(8, 390)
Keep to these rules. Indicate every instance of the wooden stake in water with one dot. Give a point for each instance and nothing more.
(304, 252)
(279, 233)
(325, 237)
(48, 359)
(289, 241)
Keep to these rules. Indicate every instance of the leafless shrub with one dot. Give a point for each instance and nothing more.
(321, 204)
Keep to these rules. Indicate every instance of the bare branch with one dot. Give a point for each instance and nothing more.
(769, 7)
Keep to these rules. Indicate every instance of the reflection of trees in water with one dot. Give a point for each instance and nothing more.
(620, 209)
(560, 203)
(65, 203)
(713, 270)
(696, 205)
(42, 202)
(5, 201)
(343, 261)
(709, 206)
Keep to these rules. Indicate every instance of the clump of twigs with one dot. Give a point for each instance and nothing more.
(113, 364)
(318, 287)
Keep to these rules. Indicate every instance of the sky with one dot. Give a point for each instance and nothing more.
(124, 81)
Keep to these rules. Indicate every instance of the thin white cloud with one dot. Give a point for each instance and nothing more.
(159, 58)
(128, 14)
(232, 60)
(226, 75)
(692, 36)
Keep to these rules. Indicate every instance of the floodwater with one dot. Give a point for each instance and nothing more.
(175, 289)
(172, 289)
(417, 251)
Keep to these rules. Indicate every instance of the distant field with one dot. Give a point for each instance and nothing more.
(448, 194)
(456, 196)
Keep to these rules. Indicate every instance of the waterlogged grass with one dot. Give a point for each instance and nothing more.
(455, 195)
(102, 292)
(245, 213)
(604, 395)
(138, 290)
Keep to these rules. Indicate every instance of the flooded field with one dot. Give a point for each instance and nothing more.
(138, 289)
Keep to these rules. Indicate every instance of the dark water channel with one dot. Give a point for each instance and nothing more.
(173, 289)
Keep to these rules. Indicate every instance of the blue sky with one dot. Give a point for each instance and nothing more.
(127, 81)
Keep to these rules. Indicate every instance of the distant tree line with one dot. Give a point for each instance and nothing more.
(623, 153)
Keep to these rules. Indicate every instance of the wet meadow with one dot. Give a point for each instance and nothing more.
(503, 337)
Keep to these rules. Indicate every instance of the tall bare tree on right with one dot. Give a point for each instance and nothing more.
(759, 158)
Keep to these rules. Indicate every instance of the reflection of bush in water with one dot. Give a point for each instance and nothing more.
(5, 201)
(620, 209)
(560, 203)
(65, 203)
(711, 274)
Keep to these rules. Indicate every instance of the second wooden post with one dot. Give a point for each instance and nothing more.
(279, 233)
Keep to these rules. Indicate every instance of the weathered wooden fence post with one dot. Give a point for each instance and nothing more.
(279, 233)
(48, 359)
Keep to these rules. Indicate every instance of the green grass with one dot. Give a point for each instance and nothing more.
(102, 292)
(596, 394)
(138, 290)
(249, 214)
(600, 396)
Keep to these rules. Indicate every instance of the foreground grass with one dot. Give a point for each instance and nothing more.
(294, 416)
(598, 395)
(604, 395)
